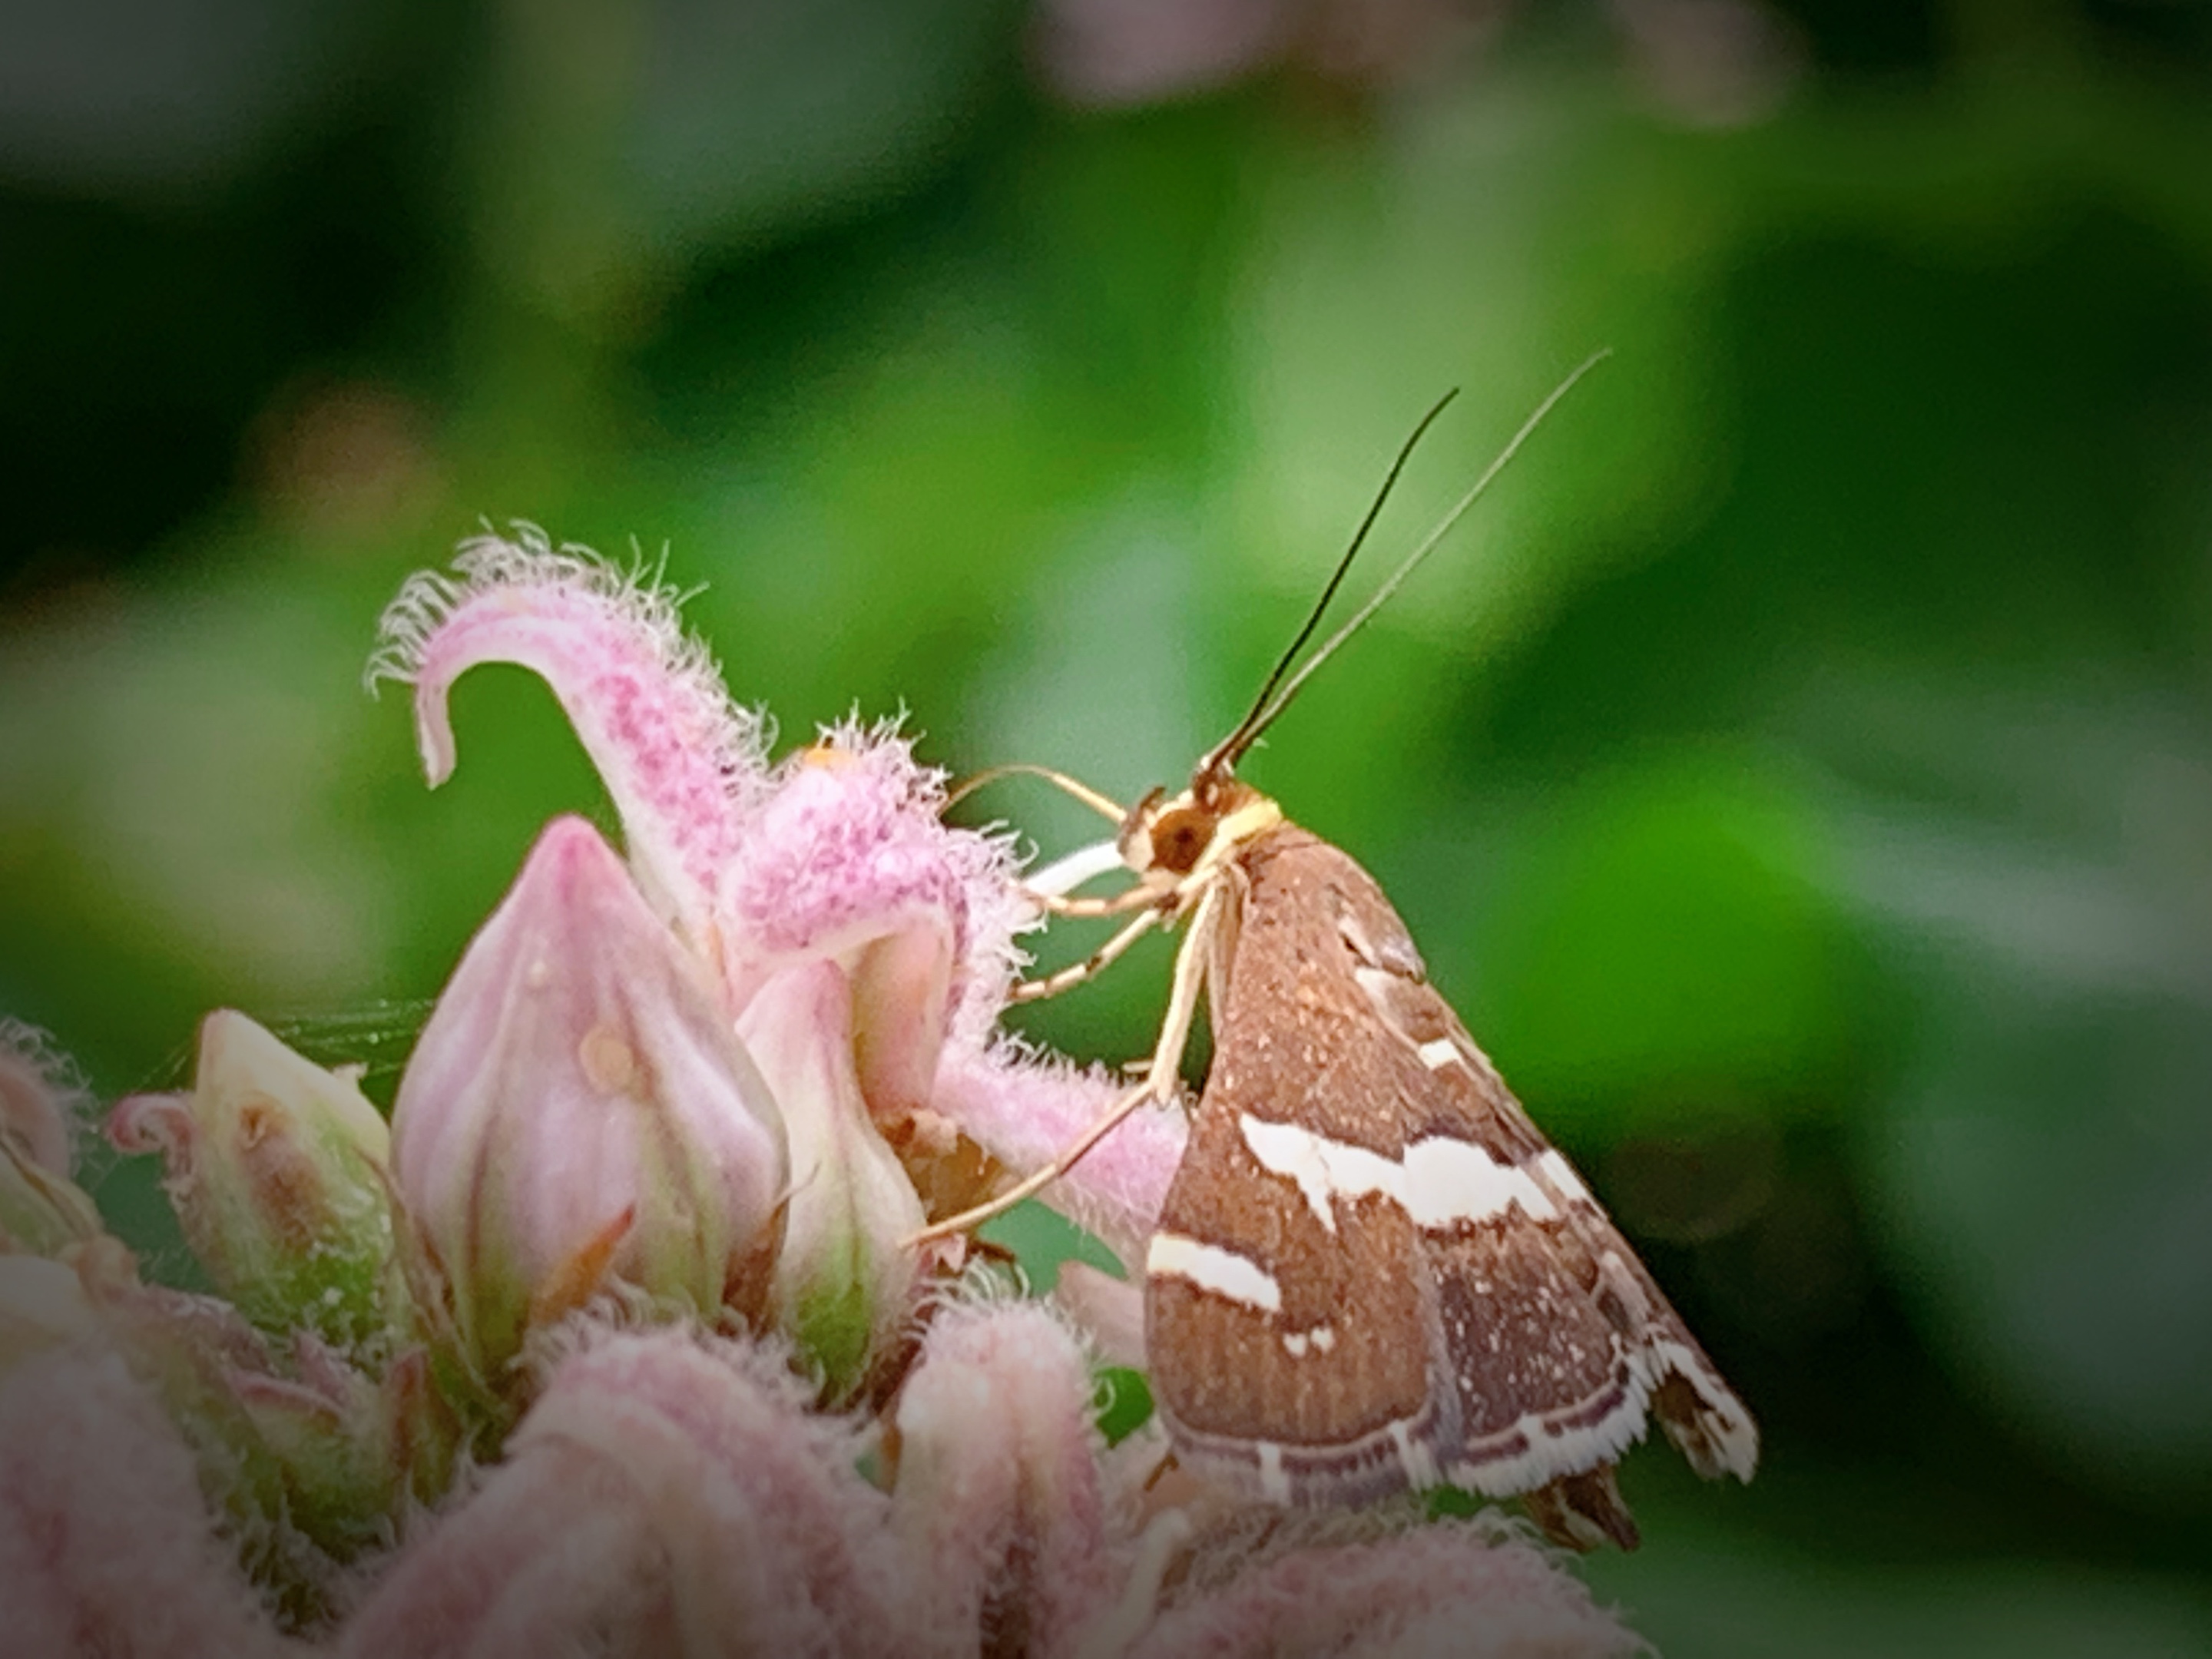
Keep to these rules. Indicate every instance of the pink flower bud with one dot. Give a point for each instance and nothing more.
(844, 1282)
(276, 1167)
(665, 1494)
(578, 1116)
(106, 1546)
(998, 1503)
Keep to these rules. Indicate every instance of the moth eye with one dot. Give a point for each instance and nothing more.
(1179, 838)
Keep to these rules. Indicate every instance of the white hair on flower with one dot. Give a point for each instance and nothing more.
(849, 843)
(683, 763)
(640, 596)
(44, 1097)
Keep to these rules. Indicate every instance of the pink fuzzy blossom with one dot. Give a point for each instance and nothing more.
(838, 854)
(106, 1546)
(1001, 1496)
(681, 762)
(668, 1493)
(1458, 1589)
(672, 1493)
(42, 1099)
(1023, 1107)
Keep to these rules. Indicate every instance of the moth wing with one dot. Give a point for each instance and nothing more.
(1521, 1248)
(1321, 1330)
(1291, 1360)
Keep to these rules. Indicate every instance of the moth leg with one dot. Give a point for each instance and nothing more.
(1113, 905)
(1160, 1084)
(1052, 985)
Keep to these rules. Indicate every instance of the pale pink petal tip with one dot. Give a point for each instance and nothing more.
(664, 1494)
(850, 849)
(1452, 1588)
(681, 762)
(107, 1546)
(1024, 1109)
(998, 1498)
(43, 1097)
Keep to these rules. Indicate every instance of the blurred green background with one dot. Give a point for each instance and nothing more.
(1799, 771)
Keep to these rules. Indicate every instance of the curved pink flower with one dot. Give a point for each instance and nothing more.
(646, 700)
(839, 854)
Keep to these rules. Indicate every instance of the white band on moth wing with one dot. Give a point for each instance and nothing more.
(1449, 1180)
(1553, 1166)
(1734, 1436)
(1065, 874)
(1225, 1274)
(1438, 1053)
(1550, 1452)
(1441, 1182)
(1323, 1169)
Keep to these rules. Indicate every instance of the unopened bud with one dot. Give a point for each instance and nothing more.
(578, 1116)
(845, 1280)
(274, 1167)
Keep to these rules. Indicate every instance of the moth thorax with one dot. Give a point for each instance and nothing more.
(1170, 834)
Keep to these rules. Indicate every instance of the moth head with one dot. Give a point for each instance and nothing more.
(1167, 838)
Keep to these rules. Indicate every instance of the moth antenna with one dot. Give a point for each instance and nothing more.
(1248, 732)
(1224, 755)
(1105, 806)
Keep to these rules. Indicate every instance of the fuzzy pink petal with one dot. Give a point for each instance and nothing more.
(106, 1550)
(1453, 1589)
(682, 763)
(42, 1099)
(998, 1497)
(666, 1494)
(1024, 1109)
(849, 849)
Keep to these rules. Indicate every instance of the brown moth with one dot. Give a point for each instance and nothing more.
(1372, 1272)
